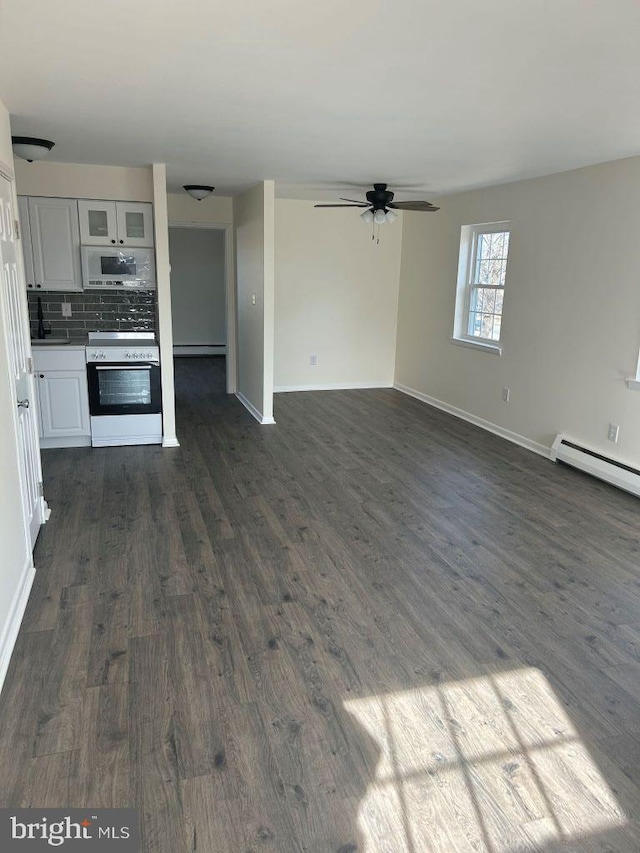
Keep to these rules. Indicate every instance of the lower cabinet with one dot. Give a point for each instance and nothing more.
(61, 379)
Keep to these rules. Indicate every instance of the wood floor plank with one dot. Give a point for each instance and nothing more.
(19, 710)
(61, 697)
(103, 771)
(153, 760)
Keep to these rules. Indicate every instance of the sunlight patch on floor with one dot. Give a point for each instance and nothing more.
(491, 763)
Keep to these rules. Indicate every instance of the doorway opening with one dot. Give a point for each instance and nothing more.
(202, 304)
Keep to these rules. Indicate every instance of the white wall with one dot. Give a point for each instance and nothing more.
(213, 209)
(336, 298)
(78, 180)
(15, 555)
(198, 285)
(253, 214)
(571, 313)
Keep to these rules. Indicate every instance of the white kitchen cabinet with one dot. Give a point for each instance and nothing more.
(51, 243)
(25, 239)
(63, 399)
(121, 223)
(98, 223)
(135, 223)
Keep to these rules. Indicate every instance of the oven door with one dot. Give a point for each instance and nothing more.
(124, 389)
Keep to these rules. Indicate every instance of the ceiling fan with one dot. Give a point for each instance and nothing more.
(380, 206)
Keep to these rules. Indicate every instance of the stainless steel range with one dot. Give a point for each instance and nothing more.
(123, 373)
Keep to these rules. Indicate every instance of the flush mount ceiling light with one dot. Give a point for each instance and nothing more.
(30, 148)
(198, 191)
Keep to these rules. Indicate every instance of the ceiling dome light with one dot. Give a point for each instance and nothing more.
(379, 217)
(390, 216)
(30, 147)
(198, 191)
(367, 216)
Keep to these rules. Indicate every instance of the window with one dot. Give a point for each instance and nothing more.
(482, 274)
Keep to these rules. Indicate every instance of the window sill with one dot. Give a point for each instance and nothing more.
(633, 384)
(484, 346)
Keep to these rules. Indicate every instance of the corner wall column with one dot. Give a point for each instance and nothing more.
(165, 326)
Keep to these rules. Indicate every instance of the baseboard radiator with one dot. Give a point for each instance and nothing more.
(617, 473)
(199, 349)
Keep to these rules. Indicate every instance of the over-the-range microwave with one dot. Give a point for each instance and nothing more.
(120, 269)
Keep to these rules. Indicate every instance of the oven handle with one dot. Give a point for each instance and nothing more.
(128, 366)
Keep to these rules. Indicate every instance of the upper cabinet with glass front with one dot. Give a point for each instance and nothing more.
(116, 223)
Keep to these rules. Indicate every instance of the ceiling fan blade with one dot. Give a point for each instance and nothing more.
(361, 203)
(413, 205)
(341, 205)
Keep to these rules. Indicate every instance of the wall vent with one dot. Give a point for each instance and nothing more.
(619, 474)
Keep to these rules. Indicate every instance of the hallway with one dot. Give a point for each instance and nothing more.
(369, 627)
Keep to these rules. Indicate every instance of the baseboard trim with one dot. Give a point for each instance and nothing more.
(332, 386)
(513, 437)
(69, 441)
(14, 620)
(252, 410)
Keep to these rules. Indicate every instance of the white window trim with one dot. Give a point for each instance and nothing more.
(478, 343)
(468, 241)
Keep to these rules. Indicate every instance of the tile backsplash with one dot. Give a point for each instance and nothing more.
(115, 310)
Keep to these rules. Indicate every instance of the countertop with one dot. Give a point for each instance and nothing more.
(76, 343)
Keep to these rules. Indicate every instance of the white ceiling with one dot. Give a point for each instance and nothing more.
(440, 95)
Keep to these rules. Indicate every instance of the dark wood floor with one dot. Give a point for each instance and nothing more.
(370, 627)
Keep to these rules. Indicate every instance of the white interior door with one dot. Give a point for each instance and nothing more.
(15, 313)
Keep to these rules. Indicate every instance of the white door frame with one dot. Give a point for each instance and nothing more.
(42, 512)
(230, 293)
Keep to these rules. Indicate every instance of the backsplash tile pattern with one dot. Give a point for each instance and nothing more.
(115, 310)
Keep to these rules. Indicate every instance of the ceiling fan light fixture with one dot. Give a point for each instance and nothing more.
(31, 148)
(390, 216)
(198, 191)
(367, 216)
(379, 217)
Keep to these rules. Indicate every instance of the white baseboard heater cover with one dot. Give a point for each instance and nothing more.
(199, 349)
(617, 473)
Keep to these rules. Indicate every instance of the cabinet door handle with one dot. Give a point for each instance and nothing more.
(122, 241)
(113, 241)
(42, 376)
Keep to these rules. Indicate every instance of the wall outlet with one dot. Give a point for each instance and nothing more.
(506, 395)
(66, 309)
(313, 360)
(614, 432)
